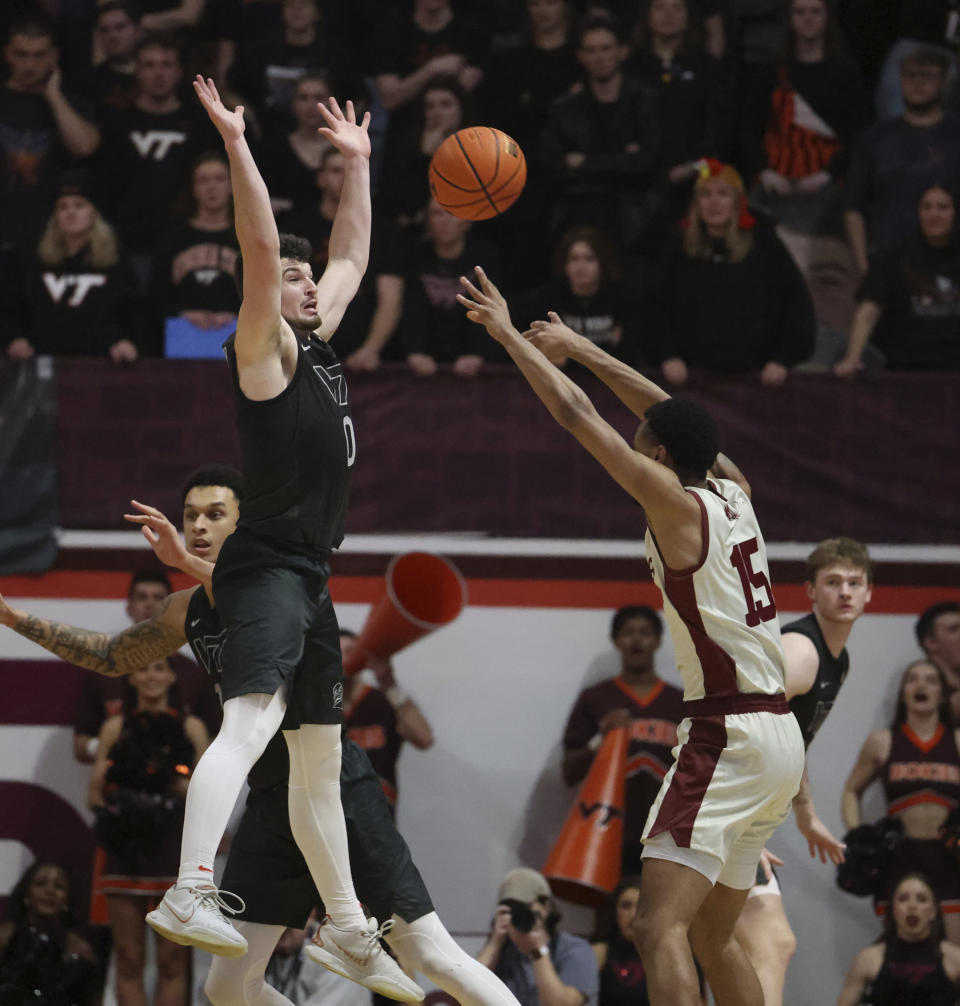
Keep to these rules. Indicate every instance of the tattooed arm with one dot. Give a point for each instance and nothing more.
(113, 656)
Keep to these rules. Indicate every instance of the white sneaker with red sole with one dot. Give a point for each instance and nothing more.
(193, 917)
(356, 954)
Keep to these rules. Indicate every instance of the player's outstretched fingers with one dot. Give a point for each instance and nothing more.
(471, 289)
(152, 510)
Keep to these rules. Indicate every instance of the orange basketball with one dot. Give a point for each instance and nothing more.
(477, 173)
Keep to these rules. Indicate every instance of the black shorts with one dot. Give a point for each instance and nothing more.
(266, 868)
(281, 628)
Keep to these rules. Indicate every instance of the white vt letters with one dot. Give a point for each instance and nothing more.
(156, 143)
(57, 286)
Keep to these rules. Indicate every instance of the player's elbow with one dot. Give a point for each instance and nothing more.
(572, 410)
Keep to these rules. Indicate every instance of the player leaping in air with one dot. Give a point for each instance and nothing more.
(740, 755)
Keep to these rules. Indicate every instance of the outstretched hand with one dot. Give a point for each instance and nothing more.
(821, 842)
(160, 534)
(554, 339)
(342, 130)
(229, 124)
(487, 306)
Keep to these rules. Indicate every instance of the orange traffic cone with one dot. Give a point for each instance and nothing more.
(584, 865)
(423, 592)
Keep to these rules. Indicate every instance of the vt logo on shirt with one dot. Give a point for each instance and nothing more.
(333, 380)
(80, 285)
(155, 144)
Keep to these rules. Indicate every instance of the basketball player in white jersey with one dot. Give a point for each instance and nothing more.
(739, 757)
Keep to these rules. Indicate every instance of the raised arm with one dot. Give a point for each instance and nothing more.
(556, 341)
(349, 246)
(112, 656)
(655, 487)
(724, 468)
(167, 544)
(259, 326)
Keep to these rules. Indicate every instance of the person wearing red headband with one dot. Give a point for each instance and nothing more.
(732, 300)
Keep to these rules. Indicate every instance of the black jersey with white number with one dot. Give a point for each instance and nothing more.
(812, 708)
(298, 451)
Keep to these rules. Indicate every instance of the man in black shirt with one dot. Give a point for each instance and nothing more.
(112, 83)
(41, 129)
(281, 650)
(148, 149)
(839, 585)
(601, 143)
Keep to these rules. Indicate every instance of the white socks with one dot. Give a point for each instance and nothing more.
(249, 721)
(239, 981)
(316, 819)
(425, 946)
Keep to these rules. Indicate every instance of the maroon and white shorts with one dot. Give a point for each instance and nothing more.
(731, 784)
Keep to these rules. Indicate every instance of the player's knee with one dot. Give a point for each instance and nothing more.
(171, 967)
(650, 930)
(130, 960)
(220, 987)
(783, 942)
(766, 934)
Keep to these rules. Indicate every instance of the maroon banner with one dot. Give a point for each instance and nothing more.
(874, 458)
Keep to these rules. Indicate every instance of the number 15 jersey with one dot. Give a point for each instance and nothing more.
(720, 611)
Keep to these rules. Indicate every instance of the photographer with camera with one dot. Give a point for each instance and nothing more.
(541, 964)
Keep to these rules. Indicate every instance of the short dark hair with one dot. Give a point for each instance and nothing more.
(928, 619)
(148, 576)
(927, 55)
(688, 432)
(132, 10)
(600, 21)
(349, 633)
(214, 474)
(32, 26)
(623, 615)
(159, 40)
(292, 246)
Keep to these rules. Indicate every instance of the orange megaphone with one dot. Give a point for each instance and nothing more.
(423, 592)
(584, 865)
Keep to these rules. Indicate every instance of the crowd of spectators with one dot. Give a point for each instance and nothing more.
(676, 148)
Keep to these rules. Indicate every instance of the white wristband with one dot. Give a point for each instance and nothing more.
(595, 742)
(396, 696)
(92, 744)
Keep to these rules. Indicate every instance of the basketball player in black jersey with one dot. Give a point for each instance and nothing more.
(838, 584)
(265, 866)
(298, 446)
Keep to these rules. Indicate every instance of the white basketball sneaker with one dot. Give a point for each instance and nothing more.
(356, 954)
(193, 916)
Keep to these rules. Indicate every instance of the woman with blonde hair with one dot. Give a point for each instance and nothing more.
(731, 298)
(77, 296)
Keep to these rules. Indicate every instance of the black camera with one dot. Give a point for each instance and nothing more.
(522, 916)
